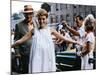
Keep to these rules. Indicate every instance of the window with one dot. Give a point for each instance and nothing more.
(57, 19)
(67, 17)
(61, 17)
(56, 7)
(74, 6)
(66, 6)
(61, 6)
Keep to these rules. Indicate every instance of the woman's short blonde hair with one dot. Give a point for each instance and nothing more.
(42, 12)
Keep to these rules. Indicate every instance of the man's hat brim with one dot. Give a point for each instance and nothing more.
(28, 11)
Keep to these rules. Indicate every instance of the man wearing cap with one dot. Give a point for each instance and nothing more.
(21, 29)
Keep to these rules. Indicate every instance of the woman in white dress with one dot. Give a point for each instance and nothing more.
(42, 55)
(88, 48)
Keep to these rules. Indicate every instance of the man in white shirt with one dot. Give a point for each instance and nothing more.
(80, 32)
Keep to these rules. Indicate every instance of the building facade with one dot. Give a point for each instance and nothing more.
(67, 12)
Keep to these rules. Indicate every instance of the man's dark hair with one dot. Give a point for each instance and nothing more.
(80, 17)
(46, 6)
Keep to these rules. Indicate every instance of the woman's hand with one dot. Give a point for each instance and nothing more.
(79, 43)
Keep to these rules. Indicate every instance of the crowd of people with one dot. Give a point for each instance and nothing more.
(35, 43)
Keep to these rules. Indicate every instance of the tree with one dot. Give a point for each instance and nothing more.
(16, 16)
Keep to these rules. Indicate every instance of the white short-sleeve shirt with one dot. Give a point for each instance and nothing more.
(81, 38)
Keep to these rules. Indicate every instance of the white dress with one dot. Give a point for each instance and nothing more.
(42, 55)
(85, 65)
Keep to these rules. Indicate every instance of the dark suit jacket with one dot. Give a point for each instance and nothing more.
(20, 30)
